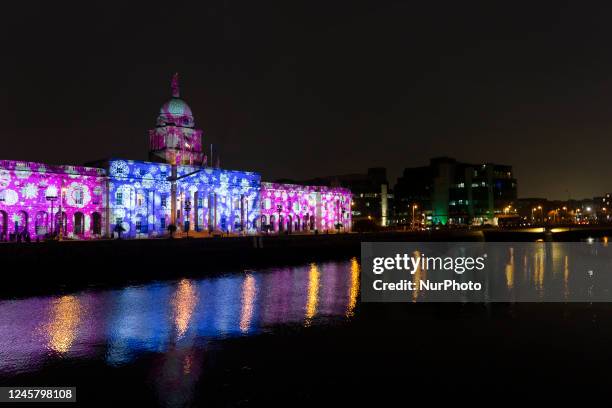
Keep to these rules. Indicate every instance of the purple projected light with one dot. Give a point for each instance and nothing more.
(292, 207)
(33, 195)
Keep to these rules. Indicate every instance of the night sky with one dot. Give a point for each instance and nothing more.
(302, 89)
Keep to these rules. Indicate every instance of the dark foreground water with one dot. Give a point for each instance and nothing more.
(298, 336)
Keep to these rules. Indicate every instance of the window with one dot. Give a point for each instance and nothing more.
(79, 225)
(140, 200)
(163, 200)
(96, 223)
(162, 223)
(78, 196)
(119, 198)
(267, 204)
(200, 202)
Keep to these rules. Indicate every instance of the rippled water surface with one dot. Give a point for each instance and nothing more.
(298, 336)
(115, 326)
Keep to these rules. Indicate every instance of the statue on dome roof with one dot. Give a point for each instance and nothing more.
(175, 86)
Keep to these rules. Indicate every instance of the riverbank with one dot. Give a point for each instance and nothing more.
(51, 267)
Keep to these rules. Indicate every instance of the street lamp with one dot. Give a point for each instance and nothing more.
(414, 207)
(541, 214)
(60, 213)
(279, 209)
(52, 198)
(187, 210)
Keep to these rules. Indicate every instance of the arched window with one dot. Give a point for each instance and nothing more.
(79, 223)
(20, 220)
(3, 225)
(272, 223)
(96, 223)
(40, 223)
(61, 221)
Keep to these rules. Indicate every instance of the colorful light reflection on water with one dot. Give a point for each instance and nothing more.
(171, 318)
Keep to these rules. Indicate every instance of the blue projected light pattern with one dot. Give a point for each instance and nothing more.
(224, 200)
(139, 197)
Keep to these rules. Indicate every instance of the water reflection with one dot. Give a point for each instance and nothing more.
(551, 272)
(184, 301)
(249, 288)
(419, 274)
(354, 289)
(510, 269)
(63, 325)
(313, 293)
(173, 319)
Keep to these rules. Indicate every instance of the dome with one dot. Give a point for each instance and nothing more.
(176, 112)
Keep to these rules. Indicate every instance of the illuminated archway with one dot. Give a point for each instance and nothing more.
(40, 223)
(79, 223)
(3, 225)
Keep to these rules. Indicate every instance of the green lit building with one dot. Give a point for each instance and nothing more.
(450, 192)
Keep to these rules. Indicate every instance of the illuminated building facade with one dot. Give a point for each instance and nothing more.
(450, 192)
(293, 208)
(36, 199)
(138, 199)
(372, 198)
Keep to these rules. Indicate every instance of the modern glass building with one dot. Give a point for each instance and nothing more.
(451, 192)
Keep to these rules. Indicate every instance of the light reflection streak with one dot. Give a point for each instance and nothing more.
(313, 293)
(249, 290)
(353, 289)
(566, 275)
(62, 328)
(184, 302)
(510, 270)
(416, 278)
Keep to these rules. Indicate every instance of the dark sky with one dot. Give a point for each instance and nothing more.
(302, 89)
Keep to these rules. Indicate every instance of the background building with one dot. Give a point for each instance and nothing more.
(372, 198)
(450, 192)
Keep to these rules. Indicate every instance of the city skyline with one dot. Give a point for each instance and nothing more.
(279, 89)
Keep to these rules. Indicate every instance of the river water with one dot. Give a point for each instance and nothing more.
(292, 336)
